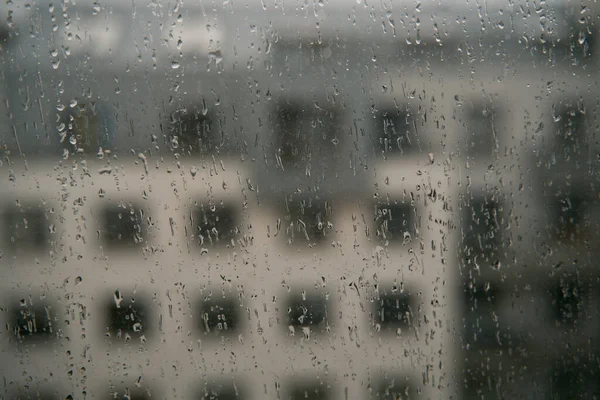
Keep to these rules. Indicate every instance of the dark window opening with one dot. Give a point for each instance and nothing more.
(481, 131)
(305, 55)
(123, 226)
(394, 388)
(571, 136)
(396, 132)
(224, 391)
(433, 52)
(26, 228)
(80, 128)
(306, 133)
(217, 224)
(569, 219)
(307, 220)
(482, 323)
(127, 317)
(395, 222)
(576, 378)
(197, 132)
(308, 311)
(30, 394)
(219, 315)
(393, 311)
(221, 395)
(566, 301)
(314, 391)
(481, 232)
(577, 45)
(130, 394)
(34, 322)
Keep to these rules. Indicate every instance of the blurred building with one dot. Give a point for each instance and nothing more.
(330, 200)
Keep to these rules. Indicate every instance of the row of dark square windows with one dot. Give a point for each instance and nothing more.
(213, 225)
(306, 131)
(484, 327)
(392, 311)
(128, 318)
(385, 387)
(573, 379)
(481, 234)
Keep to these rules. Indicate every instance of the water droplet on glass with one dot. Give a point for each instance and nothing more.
(175, 64)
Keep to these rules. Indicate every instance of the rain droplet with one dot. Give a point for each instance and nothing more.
(175, 64)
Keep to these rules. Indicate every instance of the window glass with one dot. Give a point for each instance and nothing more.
(299, 199)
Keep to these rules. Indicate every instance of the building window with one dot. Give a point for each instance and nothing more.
(566, 301)
(481, 134)
(222, 391)
(129, 394)
(302, 55)
(393, 387)
(308, 313)
(26, 228)
(127, 317)
(46, 393)
(82, 129)
(216, 224)
(197, 132)
(395, 223)
(123, 226)
(219, 315)
(576, 378)
(393, 311)
(396, 132)
(432, 52)
(34, 322)
(482, 324)
(570, 217)
(306, 132)
(571, 134)
(481, 231)
(307, 220)
(310, 390)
